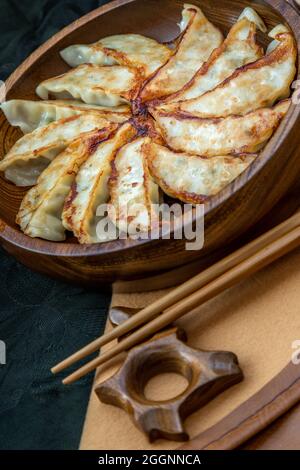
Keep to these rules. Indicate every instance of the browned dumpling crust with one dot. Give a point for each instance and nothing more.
(239, 48)
(103, 86)
(29, 115)
(40, 214)
(191, 178)
(133, 192)
(133, 50)
(31, 154)
(256, 85)
(196, 44)
(90, 188)
(222, 136)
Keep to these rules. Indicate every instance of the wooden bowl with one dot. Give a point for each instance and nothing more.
(229, 214)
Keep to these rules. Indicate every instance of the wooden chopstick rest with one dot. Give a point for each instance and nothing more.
(119, 315)
(207, 372)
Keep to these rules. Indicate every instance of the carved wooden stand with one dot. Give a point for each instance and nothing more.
(207, 372)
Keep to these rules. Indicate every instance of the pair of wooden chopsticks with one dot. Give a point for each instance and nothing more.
(193, 293)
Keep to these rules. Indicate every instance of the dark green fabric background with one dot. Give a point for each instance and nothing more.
(41, 320)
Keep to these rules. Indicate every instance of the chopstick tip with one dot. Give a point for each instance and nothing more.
(68, 380)
(54, 370)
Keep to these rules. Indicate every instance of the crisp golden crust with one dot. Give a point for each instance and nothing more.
(93, 84)
(40, 214)
(133, 193)
(253, 86)
(147, 127)
(220, 136)
(193, 179)
(29, 115)
(90, 188)
(32, 153)
(133, 50)
(238, 49)
(194, 47)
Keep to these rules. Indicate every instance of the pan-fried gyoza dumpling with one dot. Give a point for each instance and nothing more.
(133, 192)
(192, 178)
(274, 34)
(31, 154)
(220, 136)
(256, 85)
(197, 42)
(133, 50)
(90, 188)
(29, 115)
(104, 86)
(41, 209)
(239, 48)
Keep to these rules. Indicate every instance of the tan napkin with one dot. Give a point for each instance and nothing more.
(258, 319)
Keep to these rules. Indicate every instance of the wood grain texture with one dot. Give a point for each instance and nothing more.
(208, 373)
(283, 434)
(275, 399)
(228, 215)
